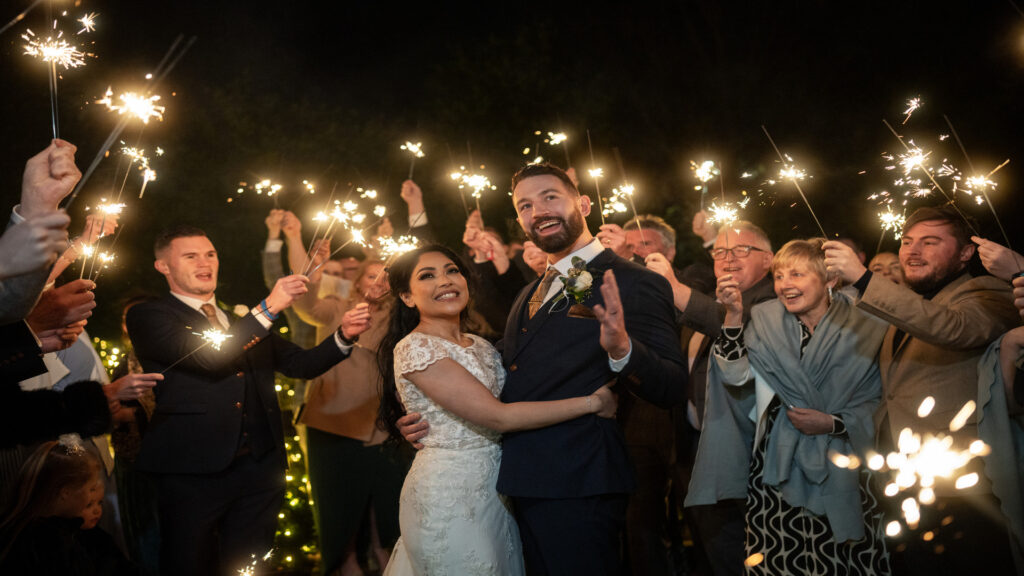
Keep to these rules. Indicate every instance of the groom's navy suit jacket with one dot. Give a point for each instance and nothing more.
(557, 355)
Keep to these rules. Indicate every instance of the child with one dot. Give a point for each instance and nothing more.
(40, 532)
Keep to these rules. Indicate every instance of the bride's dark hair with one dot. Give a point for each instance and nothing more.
(402, 321)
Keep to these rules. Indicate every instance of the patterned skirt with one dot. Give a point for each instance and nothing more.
(792, 540)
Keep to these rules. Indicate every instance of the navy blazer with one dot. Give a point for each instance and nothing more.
(558, 355)
(197, 424)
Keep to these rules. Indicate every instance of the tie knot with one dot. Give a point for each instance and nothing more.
(211, 314)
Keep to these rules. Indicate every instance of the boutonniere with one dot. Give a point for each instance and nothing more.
(576, 284)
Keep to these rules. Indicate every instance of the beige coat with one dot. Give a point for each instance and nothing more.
(344, 400)
(945, 338)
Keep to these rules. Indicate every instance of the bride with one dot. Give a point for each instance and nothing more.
(452, 519)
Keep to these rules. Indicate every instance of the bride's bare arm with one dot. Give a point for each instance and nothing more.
(456, 390)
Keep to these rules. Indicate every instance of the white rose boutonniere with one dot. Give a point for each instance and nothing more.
(577, 283)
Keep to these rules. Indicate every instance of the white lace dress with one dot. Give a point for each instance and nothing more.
(453, 521)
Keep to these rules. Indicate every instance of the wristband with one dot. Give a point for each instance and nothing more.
(266, 311)
(346, 341)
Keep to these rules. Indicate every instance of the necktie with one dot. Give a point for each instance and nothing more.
(211, 315)
(537, 300)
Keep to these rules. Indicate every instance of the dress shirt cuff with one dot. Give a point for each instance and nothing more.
(418, 219)
(273, 245)
(16, 217)
(618, 365)
(262, 318)
(345, 348)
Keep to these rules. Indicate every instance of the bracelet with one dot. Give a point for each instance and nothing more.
(266, 311)
(346, 341)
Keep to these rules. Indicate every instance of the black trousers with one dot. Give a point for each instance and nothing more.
(214, 523)
(722, 529)
(572, 536)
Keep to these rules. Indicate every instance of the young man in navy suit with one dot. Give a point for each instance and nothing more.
(215, 443)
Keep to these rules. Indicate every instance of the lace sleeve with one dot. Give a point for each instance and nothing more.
(416, 352)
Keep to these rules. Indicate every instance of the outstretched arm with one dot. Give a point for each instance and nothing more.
(456, 390)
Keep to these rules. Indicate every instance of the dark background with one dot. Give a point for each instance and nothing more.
(327, 92)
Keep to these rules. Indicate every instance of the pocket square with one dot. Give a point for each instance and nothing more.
(581, 311)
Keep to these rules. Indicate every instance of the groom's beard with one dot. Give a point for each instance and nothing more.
(566, 237)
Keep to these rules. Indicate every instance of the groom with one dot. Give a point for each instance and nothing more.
(570, 481)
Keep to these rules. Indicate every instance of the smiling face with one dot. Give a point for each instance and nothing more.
(551, 214)
(802, 291)
(930, 255)
(437, 288)
(745, 271)
(190, 265)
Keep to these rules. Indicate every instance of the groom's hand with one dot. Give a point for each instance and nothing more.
(413, 428)
(614, 338)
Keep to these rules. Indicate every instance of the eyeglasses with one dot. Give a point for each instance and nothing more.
(740, 251)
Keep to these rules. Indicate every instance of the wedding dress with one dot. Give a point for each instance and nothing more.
(453, 521)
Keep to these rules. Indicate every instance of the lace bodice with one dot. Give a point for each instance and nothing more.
(416, 352)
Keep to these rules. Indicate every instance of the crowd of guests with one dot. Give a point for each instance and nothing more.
(794, 356)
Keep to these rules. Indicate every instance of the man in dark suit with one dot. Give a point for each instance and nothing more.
(570, 481)
(215, 442)
(716, 505)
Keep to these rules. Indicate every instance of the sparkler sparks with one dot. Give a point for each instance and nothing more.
(141, 107)
(415, 149)
(912, 105)
(54, 50)
(213, 338)
(88, 22)
(891, 221)
(704, 171)
(726, 213)
(266, 185)
(556, 138)
(393, 247)
(111, 209)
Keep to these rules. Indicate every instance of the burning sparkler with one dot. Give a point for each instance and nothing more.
(416, 150)
(56, 51)
(794, 174)
(912, 104)
(134, 105)
(554, 139)
(88, 22)
(213, 338)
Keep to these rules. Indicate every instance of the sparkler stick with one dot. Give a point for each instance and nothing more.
(213, 337)
(320, 222)
(793, 176)
(983, 185)
(930, 177)
(54, 50)
(169, 61)
(451, 158)
(595, 173)
(357, 237)
(416, 150)
(628, 189)
(20, 16)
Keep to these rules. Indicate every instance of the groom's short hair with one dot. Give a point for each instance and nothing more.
(543, 169)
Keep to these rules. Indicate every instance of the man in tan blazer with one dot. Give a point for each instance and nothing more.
(942, 322)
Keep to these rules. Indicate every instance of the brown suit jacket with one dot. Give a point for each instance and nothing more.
(938, 357)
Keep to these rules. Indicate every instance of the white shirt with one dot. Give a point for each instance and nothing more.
(588, 252)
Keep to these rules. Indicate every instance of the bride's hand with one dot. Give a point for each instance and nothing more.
(607, 402)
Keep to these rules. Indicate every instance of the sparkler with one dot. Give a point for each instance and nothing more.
(919, 462)
(169, 61)
(54, 50)
(213, 338)
(250, 570)
(595, 173)
(915, 158)
(794, 174)
(890, 221)
(88, 22)
(21, 16)
(416, 150)
(912, 104)
(704, 172)
(134, 105)
(554, 139)
(475, 182)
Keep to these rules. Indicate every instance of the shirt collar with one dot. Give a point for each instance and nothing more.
(587, 252)
(195, 303)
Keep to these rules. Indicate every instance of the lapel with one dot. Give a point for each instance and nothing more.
(526, 328)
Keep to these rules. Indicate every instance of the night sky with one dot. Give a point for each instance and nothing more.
(301, 90)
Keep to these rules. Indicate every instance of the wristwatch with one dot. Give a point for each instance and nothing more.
(346, 341)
